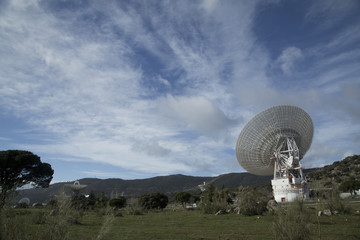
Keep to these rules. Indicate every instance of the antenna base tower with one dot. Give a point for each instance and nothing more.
(289, 183)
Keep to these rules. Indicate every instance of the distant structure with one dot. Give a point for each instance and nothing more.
(76, 187)
(202, 187)
(274, 142)
(115, 194)
(24, 201)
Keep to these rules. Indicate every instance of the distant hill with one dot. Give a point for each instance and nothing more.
(336, 173)
(328, 176)
(164, 184)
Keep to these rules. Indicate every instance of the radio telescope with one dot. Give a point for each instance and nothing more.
(76, 187)
(274, 142)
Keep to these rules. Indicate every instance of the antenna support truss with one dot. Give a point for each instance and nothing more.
(289, 182)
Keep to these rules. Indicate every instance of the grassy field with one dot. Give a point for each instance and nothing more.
(37, 224)
(194, 225)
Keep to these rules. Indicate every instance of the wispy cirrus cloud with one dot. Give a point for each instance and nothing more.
(162, 87)
(329, 13)
(288, 59)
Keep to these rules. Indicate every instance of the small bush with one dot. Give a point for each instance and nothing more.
(336, 204)
(153, 201)
(252, 202)
(213, 207)
(134, 210)
(118, 202)
(215, 200)
(22, 205)
(292, 223)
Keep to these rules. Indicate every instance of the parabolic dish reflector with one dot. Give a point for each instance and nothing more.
(261, 135)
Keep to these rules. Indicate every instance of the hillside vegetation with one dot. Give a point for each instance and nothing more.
(333, 175)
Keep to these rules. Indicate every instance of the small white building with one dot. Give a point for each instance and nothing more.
(202, 187)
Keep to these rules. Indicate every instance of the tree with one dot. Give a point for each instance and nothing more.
(78, 202)
(182, 197)
(223, 195)
(214, 200)
(209, 193)
(118, 202)
(91, 200)
(350, 186)
(101, 200)
(18, 168)
(153, 201)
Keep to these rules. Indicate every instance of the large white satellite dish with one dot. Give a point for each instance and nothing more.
(274, 142)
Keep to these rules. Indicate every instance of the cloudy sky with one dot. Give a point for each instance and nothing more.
(135, 89)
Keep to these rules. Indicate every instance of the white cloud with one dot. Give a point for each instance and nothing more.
(209, 5)
(164, 81)
(198, 113)
(81, 77)
(95, 173)
(151, 147)
(288, 59)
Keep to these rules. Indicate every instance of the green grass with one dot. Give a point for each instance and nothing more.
(189, 225)
(177, 225)
(339, 227)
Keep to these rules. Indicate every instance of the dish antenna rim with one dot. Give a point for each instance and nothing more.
(261, 135)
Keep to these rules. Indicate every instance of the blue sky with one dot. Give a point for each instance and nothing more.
(135, 89)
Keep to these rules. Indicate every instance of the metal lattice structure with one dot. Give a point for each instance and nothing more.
(263, 134)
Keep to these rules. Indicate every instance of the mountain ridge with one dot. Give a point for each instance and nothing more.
(131, 188)
(327, 176)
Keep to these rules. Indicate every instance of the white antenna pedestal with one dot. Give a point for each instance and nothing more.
(288, 183)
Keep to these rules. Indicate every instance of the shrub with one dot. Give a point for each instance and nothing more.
(79, 202)
(336, 204)
(212, 207)
(252, 201)
(153, 201)
(182, 197)
(91, 200)
(118, 202)
(292, 223)
(101, 200)
(22, 205)
(214, 200)
(350, 186)
(134, 210)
